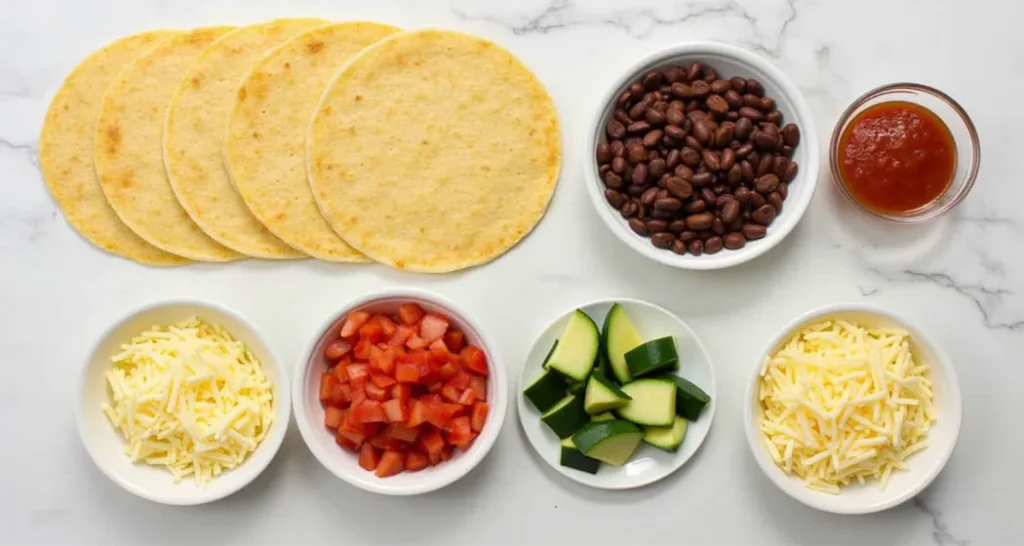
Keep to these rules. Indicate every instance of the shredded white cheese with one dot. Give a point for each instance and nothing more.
(840, 402)
(190, 398)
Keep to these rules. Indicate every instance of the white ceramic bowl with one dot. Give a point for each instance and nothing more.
(105, 444)
(923, 465)
(729, 61)
(309, 412)
(648, 464)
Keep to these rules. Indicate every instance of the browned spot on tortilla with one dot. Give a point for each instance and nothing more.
(287, 66)
(113, 134)
(359, 98)
(314, 46)
(242, 93)
(126, 180)
(196, 80)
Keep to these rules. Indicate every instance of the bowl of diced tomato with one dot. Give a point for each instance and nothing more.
(399, 393)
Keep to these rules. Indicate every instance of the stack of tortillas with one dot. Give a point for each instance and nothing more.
(424, 150)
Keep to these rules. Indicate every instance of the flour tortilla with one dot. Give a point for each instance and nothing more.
(129, 148)
(194, 138)
(265, 144)
(66, 151)
(434, 151)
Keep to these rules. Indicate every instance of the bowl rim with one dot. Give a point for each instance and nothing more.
(811, 497)
(707, 415)
(808, 174)
(248, 470)
(929, 211)
(469, 460)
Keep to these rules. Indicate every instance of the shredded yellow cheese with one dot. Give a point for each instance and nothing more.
(190, 398)
(840, 402)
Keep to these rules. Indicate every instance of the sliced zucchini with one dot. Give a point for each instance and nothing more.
(547, 357)
(611, 442)
(546, 391)
(577, 388)
(653, 402)
(574, 458)
(654, 356)
(602, 395)
(576, 351)
(618, 336)
(667, 438)
(606, 416)
(690, 399)
(566, 417)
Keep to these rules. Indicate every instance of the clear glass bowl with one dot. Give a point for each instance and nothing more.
(968, 148)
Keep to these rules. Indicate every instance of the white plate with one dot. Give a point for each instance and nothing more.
(648, 464)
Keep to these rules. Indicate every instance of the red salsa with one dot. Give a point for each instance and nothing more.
(897, 157)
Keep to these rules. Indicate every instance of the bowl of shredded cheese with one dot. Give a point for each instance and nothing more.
(852, 409)
(182, 403)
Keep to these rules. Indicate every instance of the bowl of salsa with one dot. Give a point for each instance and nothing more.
(904, 152)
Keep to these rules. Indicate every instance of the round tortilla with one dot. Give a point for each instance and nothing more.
(434, 151)
(66, 146)
(194, 138)
(265, 145)
(129, 148)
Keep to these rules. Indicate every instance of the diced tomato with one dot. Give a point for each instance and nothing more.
(478, 416)
(416, 460)
(373, 332)
(451, 393)
(475, 359)
(446, 453)
(337, 349)
(341, 395)
(373, 392)
(435, 458)
(416, 342)
(410, 313)
(391, 463)
(461, 381)
(402, 334)
(383, 359)
(431, 440)
(386, 325)
(394, 410)
(417, 413)
(452, 410)
(468, 397)
(327, 383)
(436, 414)
(357, 371)
(349, 438)
(455, 340)
(401, 392)
(385, 443)
(433, 327)
(479, 386)
(368, 457)
(381, 380)
(333, 417)
(448, 371)
(358, 387)
(368, 411)
(435, 387)
(399, 431)
(459, 432)
(407, 372)
(353, 321)
(362, 349)
(431, 399)
(341, 370)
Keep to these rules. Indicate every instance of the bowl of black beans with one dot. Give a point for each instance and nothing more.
(702, 156)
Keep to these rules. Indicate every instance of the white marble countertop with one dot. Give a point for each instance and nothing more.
(961, 278)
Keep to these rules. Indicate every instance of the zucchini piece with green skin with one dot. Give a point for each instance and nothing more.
(618, 336)
(602, 395)
(546, 391)
(576, 352)
(653, 402)
(577, 388)
(572, 457)
(654, 356)
(667, 438)
(547, 357)
(606, 416)
(611, 442)
(566, 417)
(604, 367)
(690, 399)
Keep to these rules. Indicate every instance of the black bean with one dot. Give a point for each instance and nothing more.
(615, 129)
(766, 184)
(615, 199)
(638, 226)
(754, 231)
(791, 134)
(755, 88)
(764, 214)
(713, 245)
(663, 239)
(734, 241)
